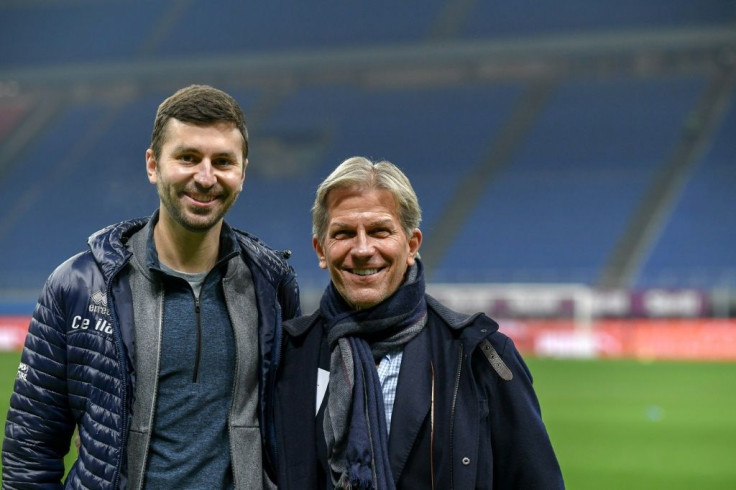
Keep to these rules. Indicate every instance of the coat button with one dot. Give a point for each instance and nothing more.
(466, 461)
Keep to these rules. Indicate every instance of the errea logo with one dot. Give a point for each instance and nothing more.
(97, 306)
(98, 303)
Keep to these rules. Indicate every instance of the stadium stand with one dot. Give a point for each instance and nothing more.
(264, 26)
(530, 166)
(695, 247)
(556, 210)
(524, 18)
(38, 210)
(89, 31)
(435, 135)
(51, 33)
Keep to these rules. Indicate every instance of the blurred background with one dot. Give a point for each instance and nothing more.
(575, 162)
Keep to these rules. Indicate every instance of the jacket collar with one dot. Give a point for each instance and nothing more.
(108, 245)
(411, 405)
(456, 321)
(474, 327)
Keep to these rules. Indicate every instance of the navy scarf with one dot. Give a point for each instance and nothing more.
(355, 423)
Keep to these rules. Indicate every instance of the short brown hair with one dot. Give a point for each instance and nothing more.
(198, 104)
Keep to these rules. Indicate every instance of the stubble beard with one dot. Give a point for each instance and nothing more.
(172, 201)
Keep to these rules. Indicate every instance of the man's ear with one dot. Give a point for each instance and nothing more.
(151, 166)
(320, 253)
(415, 241)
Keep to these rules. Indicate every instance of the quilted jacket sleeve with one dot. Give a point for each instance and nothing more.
(39, 423)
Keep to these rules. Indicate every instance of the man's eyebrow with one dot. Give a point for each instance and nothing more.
(381, 222)
(377, 222)
(191, 149)
(339, 224)
(181, 149)
(228, 154)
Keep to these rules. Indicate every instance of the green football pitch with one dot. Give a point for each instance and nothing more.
(620, 424)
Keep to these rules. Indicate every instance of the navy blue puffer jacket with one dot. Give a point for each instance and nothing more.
(77, 365)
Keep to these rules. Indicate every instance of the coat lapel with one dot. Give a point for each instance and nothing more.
(412, 404)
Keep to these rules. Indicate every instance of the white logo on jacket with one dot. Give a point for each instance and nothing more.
(23, 371)
(97, 306)
(98, 303)
(100, 324)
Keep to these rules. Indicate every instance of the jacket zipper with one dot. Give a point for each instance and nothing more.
(452, 417)
(198, 312)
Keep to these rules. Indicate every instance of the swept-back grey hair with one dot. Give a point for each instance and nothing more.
(362, 173)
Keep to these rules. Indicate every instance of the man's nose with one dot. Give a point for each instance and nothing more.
(363, 244)
(205, 175)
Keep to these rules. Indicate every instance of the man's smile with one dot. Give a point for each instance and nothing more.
(201, 198)
(364, 272)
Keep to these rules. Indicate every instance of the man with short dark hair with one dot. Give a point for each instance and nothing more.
(156, 341)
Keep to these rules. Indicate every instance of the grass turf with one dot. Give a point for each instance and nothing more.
(617, 424)
(633, 425)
